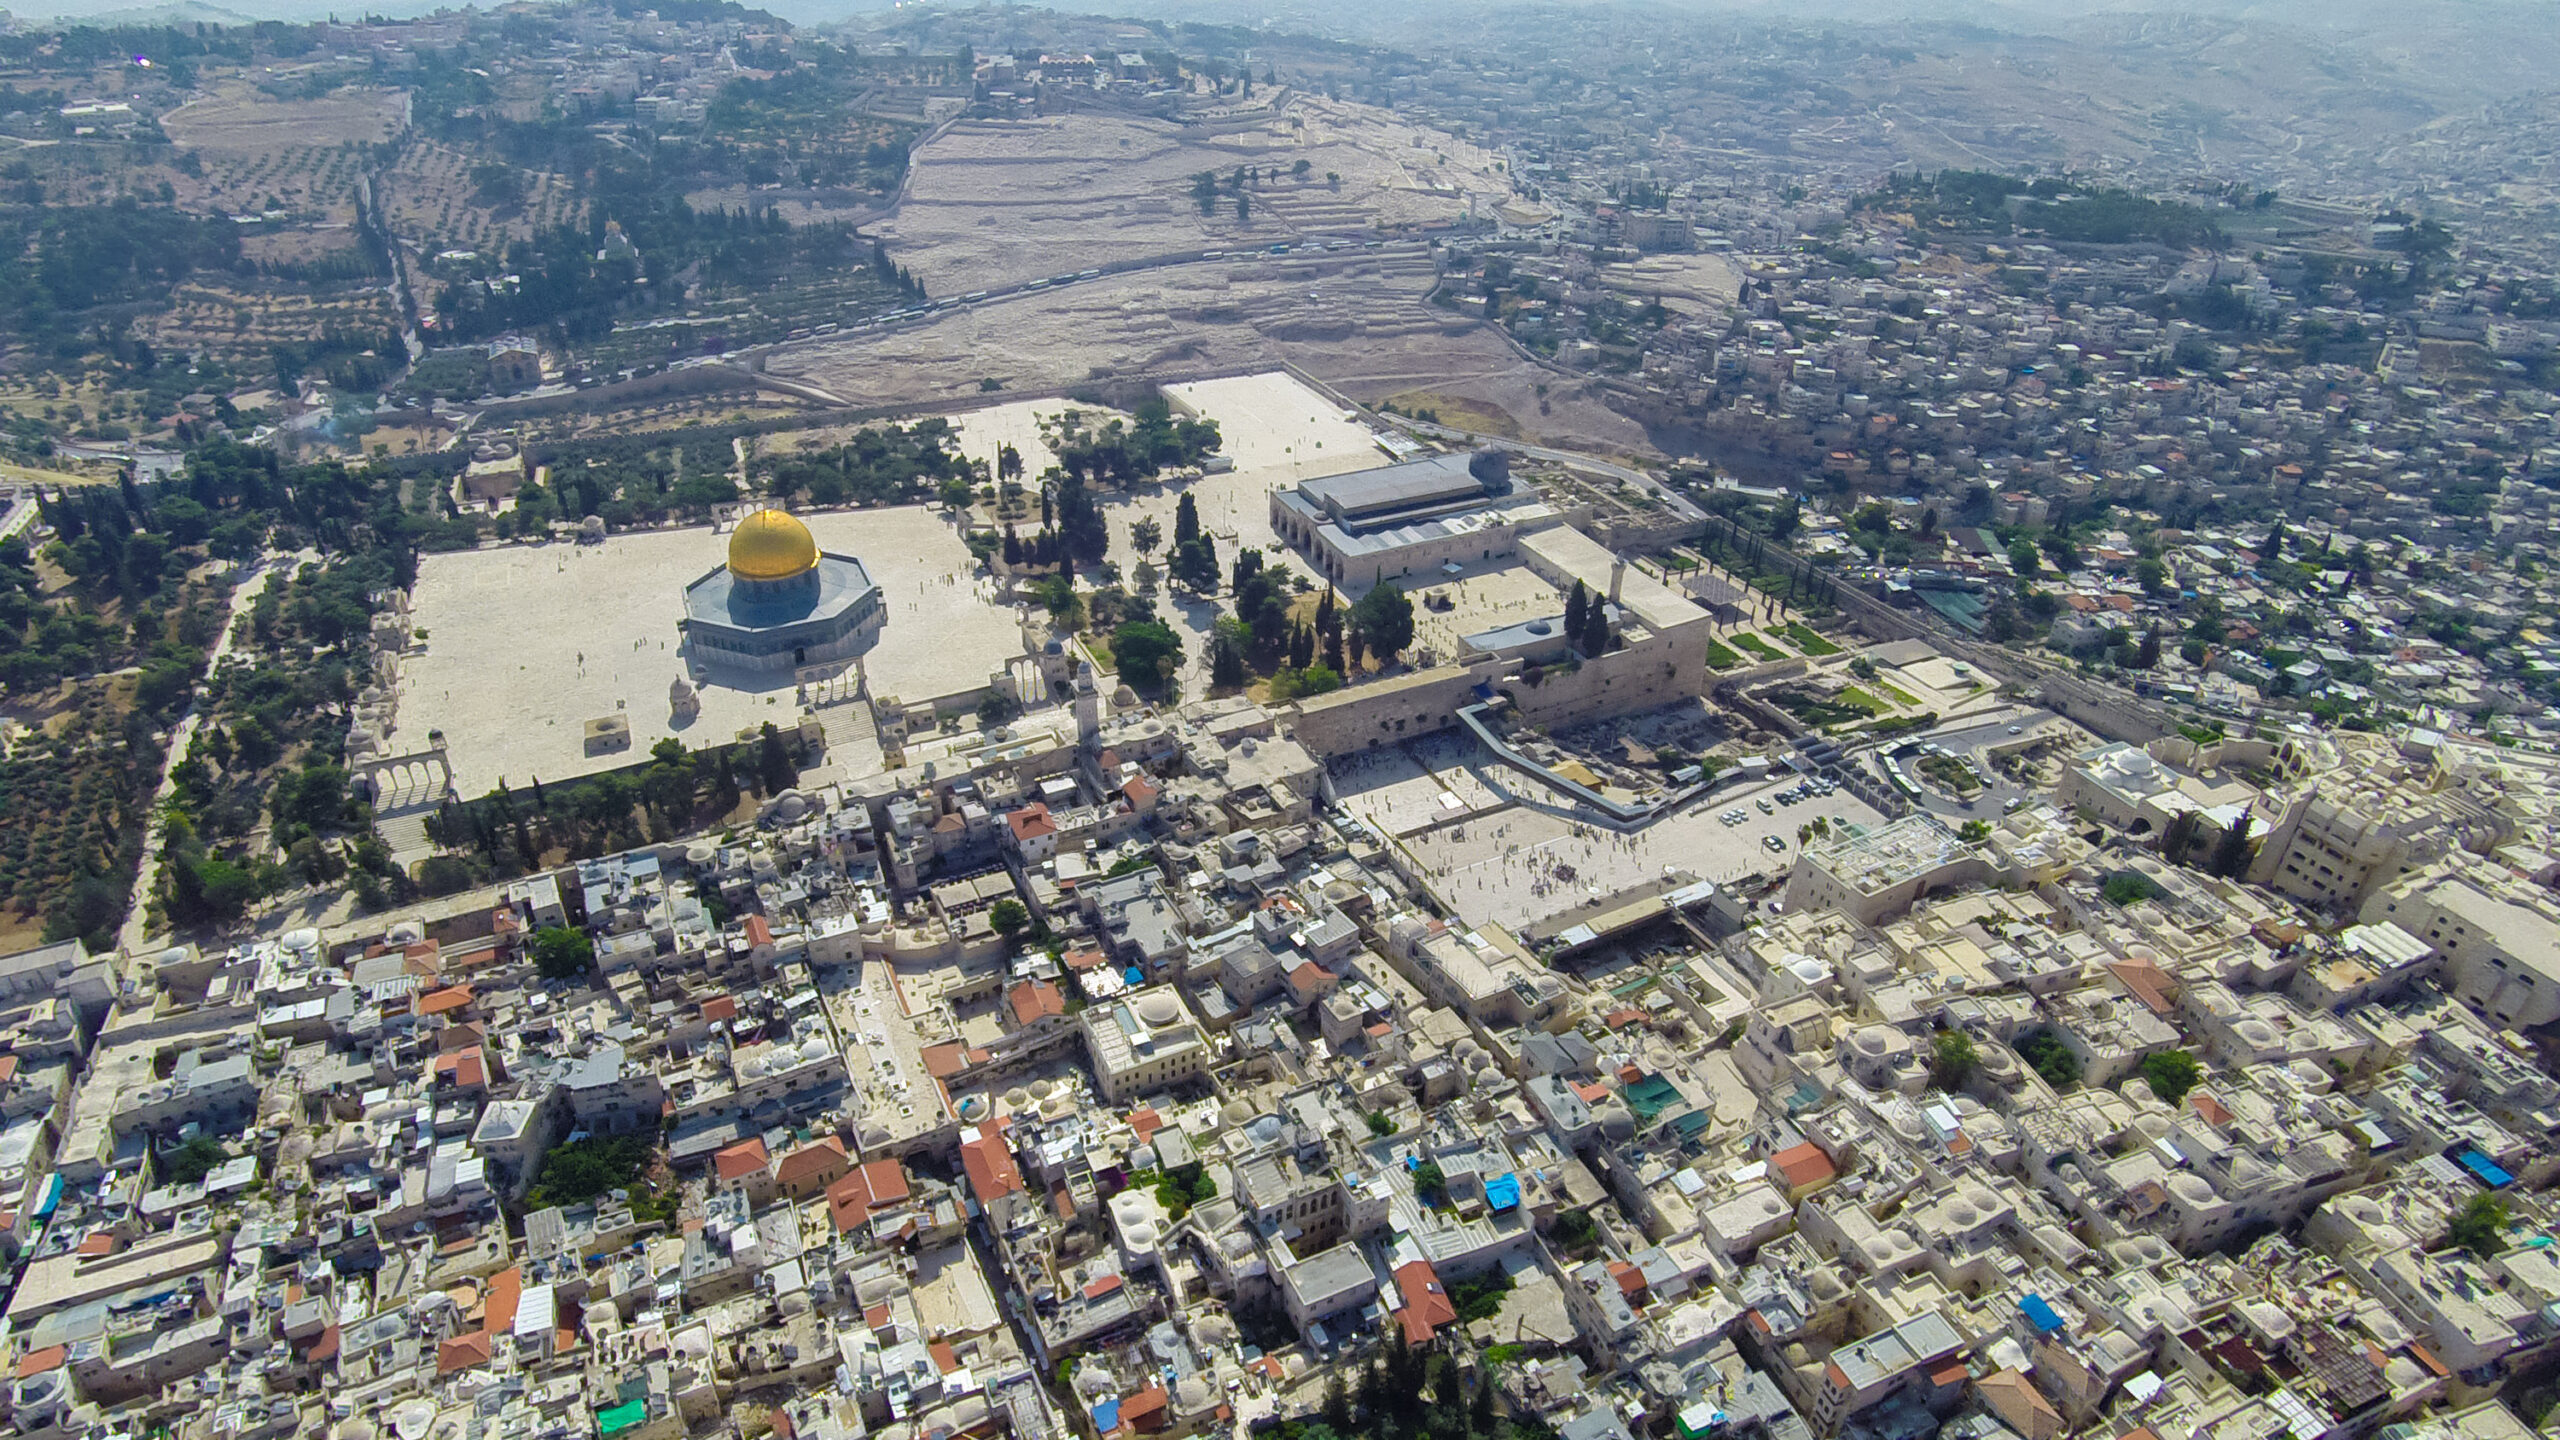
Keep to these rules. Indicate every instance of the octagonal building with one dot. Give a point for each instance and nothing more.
(780, 603)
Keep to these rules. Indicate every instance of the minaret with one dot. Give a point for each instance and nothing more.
(1088, 707)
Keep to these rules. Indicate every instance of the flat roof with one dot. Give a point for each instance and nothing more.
(1435, 480)
(57, 1281)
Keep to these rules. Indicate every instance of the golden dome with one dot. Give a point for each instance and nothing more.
(770, 545)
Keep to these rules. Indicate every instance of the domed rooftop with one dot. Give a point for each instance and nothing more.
(770, 545)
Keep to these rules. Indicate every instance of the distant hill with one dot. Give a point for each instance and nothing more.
(179, 12)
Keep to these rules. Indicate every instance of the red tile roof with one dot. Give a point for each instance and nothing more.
(1426, 1307)
(886, 1180)
(2146, 982)
(1101, 1285)
(36, 1362)
(989, 1162)
(2208, 1109)
(452, 997)
(466, 1067)
(1803, 1165)
(506, 1291)
(1146, 1122)
(1630, 1279)
(720, 1007)
(1031, 822)
(759, 932)
(1145, 1405)
(740, 1160)
(877, 1185)
(810, 1160)
(462, 1352)
(1034, 1001)
(848, 1202)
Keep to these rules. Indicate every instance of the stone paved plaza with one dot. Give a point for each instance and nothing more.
(526, 643)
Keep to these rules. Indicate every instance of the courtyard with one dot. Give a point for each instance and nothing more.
(1527, 862)
(526, 643)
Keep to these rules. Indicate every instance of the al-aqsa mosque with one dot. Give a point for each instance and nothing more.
(780, 603)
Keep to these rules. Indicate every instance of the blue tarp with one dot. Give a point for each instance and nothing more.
(1134, 975)
(1502, 1192)
(2487, 1169)
(1106, 1416)
(2040, 1315)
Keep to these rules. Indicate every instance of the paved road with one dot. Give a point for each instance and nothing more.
(243, 595)
(1679, 504)
(931, 309)
(1968, 740)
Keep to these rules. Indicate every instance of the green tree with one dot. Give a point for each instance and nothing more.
(1429, 1182)
(1379, 1124)
(2171, 1074)
(1576, 1230)
(2023, 558)
(1384, 619)
(192, 1161)
(2050, 1057)
(561, 953)
(2232, 853)
(775, 771)
(2480, 1226)
(1146, 533)
(1226, 666)
(1009, 918)
(581, 1170)
(2129, 887)
(1146, 652)
(1953, 1058)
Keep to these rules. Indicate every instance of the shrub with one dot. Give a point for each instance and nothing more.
(2171, 1074)
(192, 1161)
(1954, 1058)
(2051, 1058)
(561, 953)
(2131, 887)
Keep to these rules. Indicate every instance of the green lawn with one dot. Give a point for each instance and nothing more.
(1900, 695)
(1809, 640)
(1759, 649)
(1720, 658)
(1864, 701)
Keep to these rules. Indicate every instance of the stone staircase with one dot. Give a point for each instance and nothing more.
(405, 831)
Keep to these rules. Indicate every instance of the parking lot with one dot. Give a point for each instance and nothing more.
(1968, 742)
